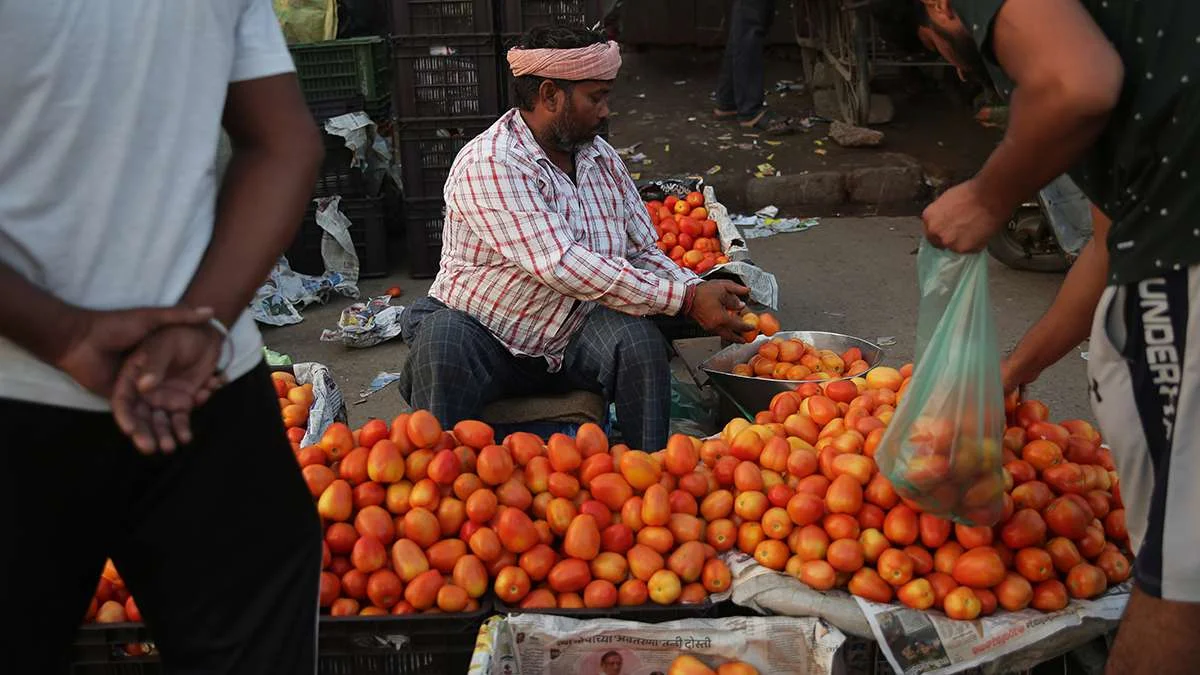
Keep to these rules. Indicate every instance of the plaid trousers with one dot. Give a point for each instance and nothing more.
(456, 366)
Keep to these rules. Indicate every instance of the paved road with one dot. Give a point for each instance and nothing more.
(849, 275)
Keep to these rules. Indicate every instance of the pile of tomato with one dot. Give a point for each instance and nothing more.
(686, 233)
(800, 492)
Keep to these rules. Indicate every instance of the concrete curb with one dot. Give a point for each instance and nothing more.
(884, 178)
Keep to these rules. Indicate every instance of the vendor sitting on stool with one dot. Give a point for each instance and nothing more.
(549, 266)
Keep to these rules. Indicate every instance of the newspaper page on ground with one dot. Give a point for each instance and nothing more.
(543, 644)
(929, 643)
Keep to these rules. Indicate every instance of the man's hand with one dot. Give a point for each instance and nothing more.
(97, 341)
(963, 219)
(711, 307)
(169, 374)
(1015, 376)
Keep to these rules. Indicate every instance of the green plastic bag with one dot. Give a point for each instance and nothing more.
(943, 450)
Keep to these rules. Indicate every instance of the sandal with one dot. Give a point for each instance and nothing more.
(724, 115)
(771, 123)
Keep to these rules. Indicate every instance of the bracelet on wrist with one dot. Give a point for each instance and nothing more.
(225, 360)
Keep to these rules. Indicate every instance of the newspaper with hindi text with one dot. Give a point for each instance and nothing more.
(929, 643)
(545, 644)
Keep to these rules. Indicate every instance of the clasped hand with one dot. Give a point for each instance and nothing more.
(155, 365)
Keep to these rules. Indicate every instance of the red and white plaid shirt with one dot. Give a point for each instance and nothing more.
(529, 253)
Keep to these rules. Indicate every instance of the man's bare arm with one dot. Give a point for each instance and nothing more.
(1069, 319)
(1069, 78)
(276, 154)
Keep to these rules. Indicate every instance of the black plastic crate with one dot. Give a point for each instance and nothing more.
(114, 649)
(337, 176)
(428, 148)
(519, 16)
(447, 75)
(337, 69)
(423, 223)
(441, 17)
(417, 644)
(368, 230)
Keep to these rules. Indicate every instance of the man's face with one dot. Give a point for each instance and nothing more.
(949, 37)
(580, 119)
(611, 664)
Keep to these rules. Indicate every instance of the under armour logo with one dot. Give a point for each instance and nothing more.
(1096, 390)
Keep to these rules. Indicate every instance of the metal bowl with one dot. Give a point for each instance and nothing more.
(754, 394)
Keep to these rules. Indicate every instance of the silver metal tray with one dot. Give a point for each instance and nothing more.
(753, 394)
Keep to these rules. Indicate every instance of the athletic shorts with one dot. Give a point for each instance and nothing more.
(219, 542)
(1144, 372)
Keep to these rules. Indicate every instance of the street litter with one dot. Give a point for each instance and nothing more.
(366, 324)
(789, 85)
(820, 151)
(378, 382)
(715, 168)
(764, 223)
(628, 150)
(885, 340)
(285, 292)
(765, 169)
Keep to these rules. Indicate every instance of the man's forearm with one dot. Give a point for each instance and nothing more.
(276, 154)
(1068, 321)
(37, 321)
(263, 198)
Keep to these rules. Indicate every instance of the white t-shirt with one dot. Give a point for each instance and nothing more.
(110, 111)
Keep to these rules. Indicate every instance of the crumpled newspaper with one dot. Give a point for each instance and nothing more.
(763, 223)
(372, 152)
(366, 324)
(379, 382)
(285, 292)
(337, 248)
(328, 405)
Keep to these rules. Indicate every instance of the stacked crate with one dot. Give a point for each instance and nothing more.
(518, 16)
(447, 91)
(340, 77)
(451, 83)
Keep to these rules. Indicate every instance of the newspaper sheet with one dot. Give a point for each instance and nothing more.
(328, 405)
(764, 288)
(543, 644)
(928, 642)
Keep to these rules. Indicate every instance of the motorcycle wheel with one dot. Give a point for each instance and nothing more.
(1027, 243)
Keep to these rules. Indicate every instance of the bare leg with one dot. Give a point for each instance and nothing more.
(1157, 637)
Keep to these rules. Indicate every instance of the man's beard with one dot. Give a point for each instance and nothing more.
(566, 136)
(968, 54)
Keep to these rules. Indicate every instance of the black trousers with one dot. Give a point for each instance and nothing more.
(219, 543)
(740, 85)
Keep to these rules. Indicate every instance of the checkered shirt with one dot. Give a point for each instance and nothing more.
(529, 253)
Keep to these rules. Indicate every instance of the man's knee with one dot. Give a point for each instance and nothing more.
(638, 341)
(444, 332)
